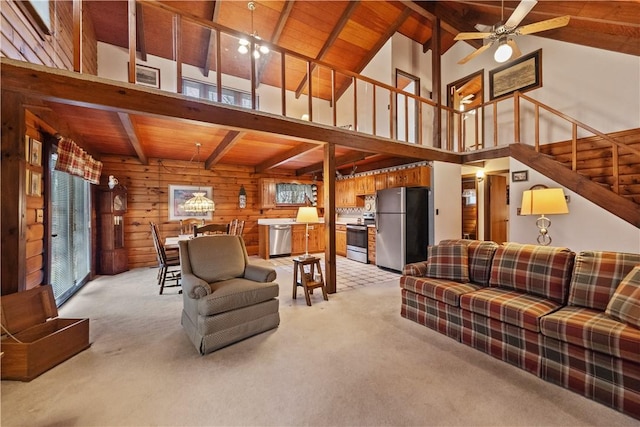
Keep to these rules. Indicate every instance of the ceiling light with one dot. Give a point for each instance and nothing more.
(503, 52)
(199, 203)
(258, 49)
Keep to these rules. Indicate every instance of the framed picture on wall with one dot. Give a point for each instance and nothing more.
(520, 176)
(179, 194)
(147, 76)
(36, 184)
(523, 74)
(36, 152)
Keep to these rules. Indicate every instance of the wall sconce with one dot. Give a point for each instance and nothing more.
(549, 201)
(480, 175)
(242, 197)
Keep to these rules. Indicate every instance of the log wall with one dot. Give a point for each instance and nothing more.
(20, 40)
(148, 197)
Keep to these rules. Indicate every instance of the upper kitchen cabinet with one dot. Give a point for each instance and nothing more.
(413, 177)
(277, 193)
(346, 196)
(365, 185)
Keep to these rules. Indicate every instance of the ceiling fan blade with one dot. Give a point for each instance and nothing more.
(516, 50)
(549, 24)
(475, 53)
(471, 36)
(519, 13)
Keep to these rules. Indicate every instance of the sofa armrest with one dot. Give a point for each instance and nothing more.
(258, 273)
(194, 287)
(418, 269)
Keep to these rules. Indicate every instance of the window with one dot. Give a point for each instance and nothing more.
(38, 14)
(208, 91)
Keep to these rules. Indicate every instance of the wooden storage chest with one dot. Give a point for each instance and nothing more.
(41, 339)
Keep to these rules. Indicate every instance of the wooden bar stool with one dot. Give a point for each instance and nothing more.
(308, 279)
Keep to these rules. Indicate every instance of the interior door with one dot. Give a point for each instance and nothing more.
(498, 214)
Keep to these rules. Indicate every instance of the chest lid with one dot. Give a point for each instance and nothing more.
(22, 310)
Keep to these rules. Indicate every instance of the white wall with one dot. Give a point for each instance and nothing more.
(595, 86)
(447, 191)
(585, 227)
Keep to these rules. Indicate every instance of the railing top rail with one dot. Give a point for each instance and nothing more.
(577, 123)
(215, 26)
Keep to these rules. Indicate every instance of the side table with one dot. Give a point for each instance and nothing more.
(308, 279)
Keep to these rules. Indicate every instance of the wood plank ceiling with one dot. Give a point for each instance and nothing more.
(345, 34)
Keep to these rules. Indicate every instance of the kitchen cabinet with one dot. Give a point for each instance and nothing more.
(316, 238)
(346, 194)
(365, 185)
(371, 244)
(412, 177)
(267, 192)
(341, 240)
(380, 181)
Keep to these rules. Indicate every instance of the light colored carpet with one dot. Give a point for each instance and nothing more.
(349, 361)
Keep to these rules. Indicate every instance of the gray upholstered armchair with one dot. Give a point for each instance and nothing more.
(226, 299)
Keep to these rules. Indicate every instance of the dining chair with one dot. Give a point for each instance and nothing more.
(236, 227)
(211, 229)
(187, 226)
(169, 266)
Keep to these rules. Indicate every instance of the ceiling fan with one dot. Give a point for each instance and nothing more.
(503, 33)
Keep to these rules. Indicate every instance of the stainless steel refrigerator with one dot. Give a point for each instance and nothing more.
(402, 226)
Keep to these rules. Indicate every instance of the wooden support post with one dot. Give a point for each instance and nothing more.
(516, 119)
(132, 40)
(329, 174)
(13, 226)
(77, 36)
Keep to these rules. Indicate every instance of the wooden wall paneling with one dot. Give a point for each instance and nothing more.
(21, 41)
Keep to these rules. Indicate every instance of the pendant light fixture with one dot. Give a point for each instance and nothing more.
(199, 203)
(243, 47)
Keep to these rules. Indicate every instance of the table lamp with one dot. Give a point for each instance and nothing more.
(307, 215)
(549, 201)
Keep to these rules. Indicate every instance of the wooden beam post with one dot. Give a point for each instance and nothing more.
(329, 188)
(77, 36)
(436, 80)
(132, 40)
(13, 228)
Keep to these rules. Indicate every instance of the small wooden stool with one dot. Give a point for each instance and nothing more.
(308, 279)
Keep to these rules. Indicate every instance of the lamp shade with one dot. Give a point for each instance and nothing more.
(307, 214)
(547, 201)
(199, 203)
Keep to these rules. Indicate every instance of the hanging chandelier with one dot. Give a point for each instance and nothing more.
(199, 203)
(244, 44)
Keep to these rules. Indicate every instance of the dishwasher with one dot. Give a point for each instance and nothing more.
(279, 239)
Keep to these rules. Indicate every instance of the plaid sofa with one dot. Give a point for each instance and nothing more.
(539, 308)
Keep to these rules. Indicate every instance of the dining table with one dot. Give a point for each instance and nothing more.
(171, 242)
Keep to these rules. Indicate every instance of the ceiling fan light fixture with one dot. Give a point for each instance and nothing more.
(503, 52)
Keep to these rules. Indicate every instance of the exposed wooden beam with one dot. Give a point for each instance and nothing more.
(77, 35)
(344, 19)
(142, 45)
(276, 161)
(212, 39)
(83, 90)
(343, 160)
(227, 142)
(275, 38)
(329, 188)
(374, 51)
(130, 129)
(131, 13)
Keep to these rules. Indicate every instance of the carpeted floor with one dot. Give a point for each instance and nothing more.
(349, 361)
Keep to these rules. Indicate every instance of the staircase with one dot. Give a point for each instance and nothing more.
(597, 177)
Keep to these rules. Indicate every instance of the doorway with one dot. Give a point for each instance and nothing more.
(466, 96)
(407, 108)
(469, 207)
(496, 208)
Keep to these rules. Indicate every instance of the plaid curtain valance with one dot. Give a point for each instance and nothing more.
(75, 161)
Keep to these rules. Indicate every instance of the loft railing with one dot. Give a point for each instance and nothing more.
(337, 97)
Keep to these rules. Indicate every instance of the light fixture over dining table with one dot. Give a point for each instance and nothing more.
(199, 203)
(244, 43)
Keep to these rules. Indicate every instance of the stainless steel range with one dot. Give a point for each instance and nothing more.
(357, 238)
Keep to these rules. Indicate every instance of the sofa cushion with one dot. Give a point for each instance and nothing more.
(229, 260)
(594, 330)
(235, 293)
(438, 289)
(513, 307)
(596, 275)
(448, 262)
(480, 254)
(625, 302)
(537, 270)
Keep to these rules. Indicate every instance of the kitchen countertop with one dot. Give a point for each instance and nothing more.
(292, 221)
